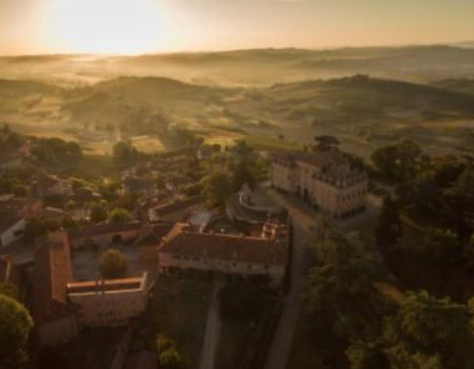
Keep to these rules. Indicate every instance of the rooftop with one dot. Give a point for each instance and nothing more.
(104, 286)
(186, 240)
(52, 272)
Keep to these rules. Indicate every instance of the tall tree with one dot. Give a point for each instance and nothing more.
(113, 264)
(217, 188)
(15, 327)
(389, 226)
(429, 333)
(341, 287)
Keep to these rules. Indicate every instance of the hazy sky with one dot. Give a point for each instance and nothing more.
(139, 26)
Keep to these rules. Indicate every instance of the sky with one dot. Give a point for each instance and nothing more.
(148, 26)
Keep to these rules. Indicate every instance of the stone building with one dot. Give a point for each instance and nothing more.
(106, 303)
(326, 179)
(187, 249)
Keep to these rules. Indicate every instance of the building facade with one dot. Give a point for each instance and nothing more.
(186, 249)
(326, 179)
(106, 303)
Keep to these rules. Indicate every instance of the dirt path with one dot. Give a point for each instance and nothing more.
(213, 326)
(303, 219)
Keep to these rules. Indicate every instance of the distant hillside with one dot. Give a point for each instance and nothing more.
(357, 99)
(118, 101)
(415, 63)
(255, 67)
(465, 86)
(18, 95)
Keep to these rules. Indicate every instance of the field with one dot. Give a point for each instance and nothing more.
(275, 99)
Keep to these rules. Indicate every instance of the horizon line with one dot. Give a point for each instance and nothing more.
(455, 44)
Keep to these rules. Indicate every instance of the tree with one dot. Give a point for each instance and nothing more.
(170, 356)
(341, 290)
(113, 264)
(9, 289)
(217, 188)
(389, 226)
(437, 332)
(125, 153)
(241, 175)
(70, 205)
(98, 213)
(120, 215)
(15, 327)
(398, 162)
(439, 246)
(324, 142)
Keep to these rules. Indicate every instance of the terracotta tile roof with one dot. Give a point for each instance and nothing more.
(152, 234)
(106, 285)
(187, 241)
(52, 271)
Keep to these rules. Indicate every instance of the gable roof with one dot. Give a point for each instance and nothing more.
(52, 271)
(185, 240)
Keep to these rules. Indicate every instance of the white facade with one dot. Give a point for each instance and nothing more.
(109, 303)
(168, 261)
(340, 192)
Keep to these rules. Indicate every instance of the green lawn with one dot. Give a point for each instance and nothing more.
(241, 340)
(179, 311)
(94, 348)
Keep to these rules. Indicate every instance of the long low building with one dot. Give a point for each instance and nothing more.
(326, 179)
(108, 302)
(186, 248)
(61, 306)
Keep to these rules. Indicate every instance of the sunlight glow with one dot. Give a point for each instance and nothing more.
(107, 26)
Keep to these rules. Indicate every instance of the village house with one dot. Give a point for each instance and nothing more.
(326, 179)
(138, 185)
(15, 212)
(51, 185)
(186, 249)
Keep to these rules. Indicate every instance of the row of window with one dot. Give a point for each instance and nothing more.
(204, 261)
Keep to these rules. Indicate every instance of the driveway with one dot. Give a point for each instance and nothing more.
(213, 327)
(304, 219)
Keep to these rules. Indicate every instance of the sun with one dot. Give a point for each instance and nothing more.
(107, 26)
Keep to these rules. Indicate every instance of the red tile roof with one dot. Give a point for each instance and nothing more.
(52, 271)
(185, 240)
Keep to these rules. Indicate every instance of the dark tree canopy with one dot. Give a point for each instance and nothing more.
(15, 327)
(113, 264)
(120, 215)
(217, 188)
